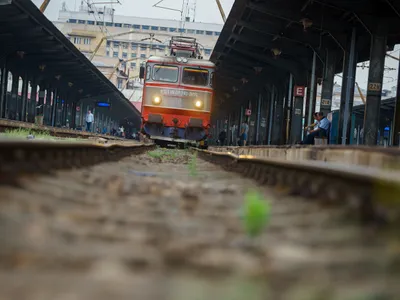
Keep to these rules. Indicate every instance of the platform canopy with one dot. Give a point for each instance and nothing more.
(30, 42)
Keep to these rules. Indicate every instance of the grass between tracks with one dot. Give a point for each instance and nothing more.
(36, 135)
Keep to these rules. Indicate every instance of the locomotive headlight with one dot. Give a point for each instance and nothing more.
(179, 59)
(157, 100)
(198, 104)
(185, 60)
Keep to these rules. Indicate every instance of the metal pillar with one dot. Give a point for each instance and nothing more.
(54, 108)
(40, 104)
(13, 107)
(374, 91)
(289, 108)
(240, 121)
(73, 115)
(396, 117)
(271, 114)
(297, 119)
(347, 96)
(328, 83)
(24, 98)
(278, 119)
(258, 119)
(3, 90)
(32, 103)
(312, 90)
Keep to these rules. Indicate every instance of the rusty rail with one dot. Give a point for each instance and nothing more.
(22, 157)
(372, 193)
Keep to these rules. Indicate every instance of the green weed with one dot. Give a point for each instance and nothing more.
(256, 213)
(193, 165)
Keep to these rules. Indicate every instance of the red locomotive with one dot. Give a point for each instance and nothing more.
(177, 95)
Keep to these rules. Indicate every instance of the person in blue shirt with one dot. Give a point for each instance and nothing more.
(320, 131)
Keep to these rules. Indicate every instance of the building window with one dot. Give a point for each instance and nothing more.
(182, 30)
(90, 22)
(115, 54)
(133, 65)
(145, 27)
(108, 43)
(87, 41)
(161, 47)
(109, 24)
(190, 31)
(142, 55)
(134, 46)
(199, 32)
(116, 44)
(163, 29)
(133, 55)
(217, 33)
(100, 23)
(143, 47)
(209, 33)
(81, 22)
(155, 28)
(77, 40)
(136, 26)
(72, 21)
(118, 24)
(125, 45)
(127, 25)
(207, 51)
(124, 55)
(108, 53)
(172, 30)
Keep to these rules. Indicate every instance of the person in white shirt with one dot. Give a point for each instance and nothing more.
(89, 121)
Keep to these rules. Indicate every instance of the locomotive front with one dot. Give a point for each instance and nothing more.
(177, 99)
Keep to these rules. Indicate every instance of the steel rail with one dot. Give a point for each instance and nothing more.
(373, 194)
(32, 157)
(53, 131)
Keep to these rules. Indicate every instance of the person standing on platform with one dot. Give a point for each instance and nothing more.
(89, 121)
(244, 130)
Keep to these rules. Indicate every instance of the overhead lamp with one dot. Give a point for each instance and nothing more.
(42, 67)
(21, 54)
(70, 84)
(258, 70)
(58, 77)
(244, 80)
(276, 52)
(307, 23)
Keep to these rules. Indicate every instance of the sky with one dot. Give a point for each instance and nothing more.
(207, 11)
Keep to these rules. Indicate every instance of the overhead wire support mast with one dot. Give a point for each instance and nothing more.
(221, 10)
(44, 5)
(108, 37)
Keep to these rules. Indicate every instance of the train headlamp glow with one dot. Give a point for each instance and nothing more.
(179, 59)
(198, 103)
(157, 100)
(184, 60)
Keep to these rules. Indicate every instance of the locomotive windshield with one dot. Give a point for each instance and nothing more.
(194, 76)
(165, 73)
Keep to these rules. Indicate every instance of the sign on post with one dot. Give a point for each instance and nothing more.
(326, 102)
(374, 87)
(78, 108)
(299, 91)
(248, 112)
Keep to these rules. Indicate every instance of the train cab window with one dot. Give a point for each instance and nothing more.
(165, 73)
(193, 76)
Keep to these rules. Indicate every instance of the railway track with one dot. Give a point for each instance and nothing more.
(53, 131)
(127, 221)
